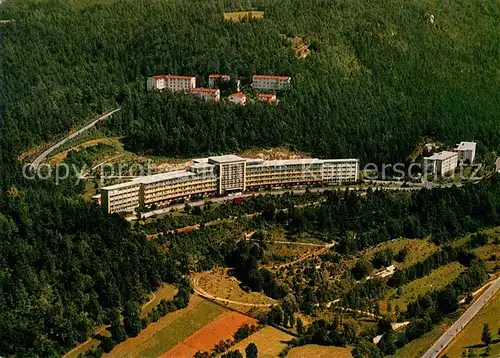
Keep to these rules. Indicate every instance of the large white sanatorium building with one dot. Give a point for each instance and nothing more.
(172, 83)
(223, 174)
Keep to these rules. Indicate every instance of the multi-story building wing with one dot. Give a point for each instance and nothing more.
(267, 82)
(121, 197)
(225, 174)
(231, 171)
(466, 152)
(340, 171)
(441, 163)
(283, 172)
(160, 188)
(172, 83)
(208, 94)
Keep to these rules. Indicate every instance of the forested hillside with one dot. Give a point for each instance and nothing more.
(380, 77)
(380, 74)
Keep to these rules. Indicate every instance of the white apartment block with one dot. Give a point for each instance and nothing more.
(441, 163)
(124, 197)
(231, 171)
(340, 171)
(172, 83)
(238, 98)
(466, 152)
(222, 174)
(208, 94)
(267, 82)
(281, 172)
(213, 79)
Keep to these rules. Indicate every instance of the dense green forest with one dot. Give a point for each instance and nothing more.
(379, 78)
(380, 75)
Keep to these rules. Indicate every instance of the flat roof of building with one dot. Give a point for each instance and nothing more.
(271, 77)
(215, 75)
(230, 158)
(178, 77)
(200, 160)
(254, 161)
(303, 161)
(442, 155)
(205, 90)
(201, 165)
(466, 146)
(122, 185)
(166, 176)
(340, 160)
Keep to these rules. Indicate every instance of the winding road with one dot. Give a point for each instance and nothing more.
(201, 292)
(460, 324)
(41, 157)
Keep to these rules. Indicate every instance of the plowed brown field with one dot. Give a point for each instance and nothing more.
(206, 338)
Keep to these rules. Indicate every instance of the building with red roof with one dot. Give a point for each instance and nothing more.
(238, 98)
(174, 83)
(208, 94)
(267, 97)
(214, 78)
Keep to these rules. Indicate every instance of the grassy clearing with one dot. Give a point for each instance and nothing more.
(166, 292)
(418, 250)
(219, 283)
(269, 341)
(437, 279)
(416, 348)
(206, 338)
(281, 253)
(315, 351)
(238, 16)
(161, 336)
(62, 154)
(470, 337)
(488, 254)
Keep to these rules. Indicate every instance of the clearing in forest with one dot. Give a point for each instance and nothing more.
(238, 16)
(315, 351)
(418, 250)
(219, 283)
(161, 336)
(207, 337)
(269, 341)
(437, 279)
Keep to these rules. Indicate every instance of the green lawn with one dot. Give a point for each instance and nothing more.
(470, 337)
(418, 250)
(416, 348)
(435, 280)
(172, 329)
